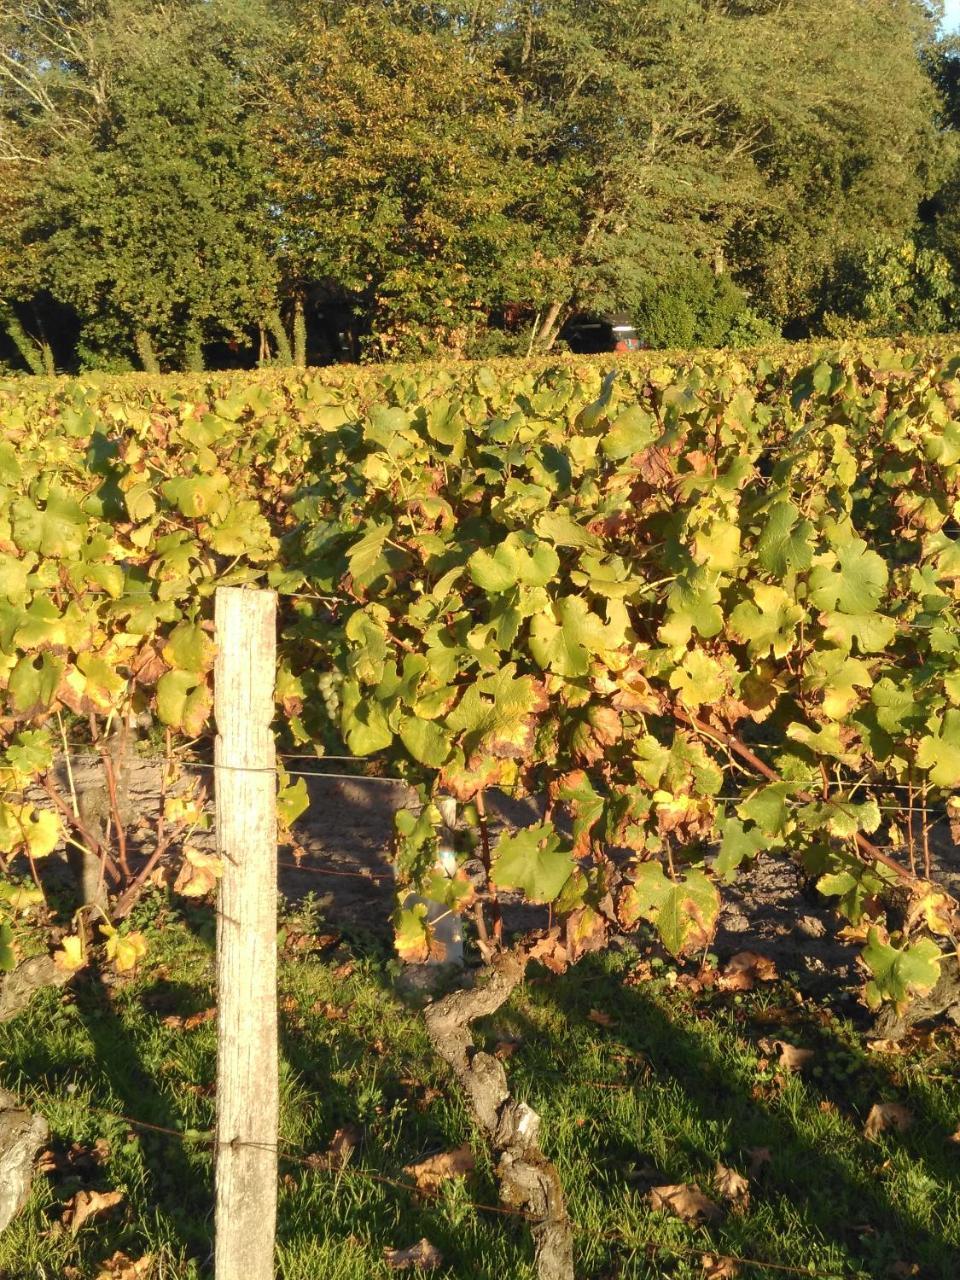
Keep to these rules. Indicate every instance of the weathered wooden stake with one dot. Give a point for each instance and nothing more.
(246, 789)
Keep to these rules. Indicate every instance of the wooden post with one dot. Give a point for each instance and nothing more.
(247, 1076)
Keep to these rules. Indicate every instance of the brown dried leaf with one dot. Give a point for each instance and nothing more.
(760, 1157)
(333, 1012)
(88, 1204)
(887, 1115)
(791, 1058)
(122, 1267)
(732, 1187)
(199, 874)
(429, 1173)
(686, 1202)
(551, 951)
(601, 1019)
(506, 1049)
(744, 970)
(422, 1254)
(955, 1136)
(342, 1146)
(717, 1267)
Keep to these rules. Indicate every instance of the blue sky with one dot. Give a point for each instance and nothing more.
(951, 18)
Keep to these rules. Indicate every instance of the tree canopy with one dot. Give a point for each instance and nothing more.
(239, 180)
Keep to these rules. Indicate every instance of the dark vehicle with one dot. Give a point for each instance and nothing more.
(588, 335)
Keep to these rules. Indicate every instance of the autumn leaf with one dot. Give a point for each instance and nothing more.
(122, 1267)
(71, 954)
(342, 1146)
(791, 1058)
(422, 1254)
(717, 1267)
(126, 950)
(744, 970)
(686, 1202)
(887, 1115)
(732, 1187)
(429, 1173)
(601, 1019)
(199, 874)
(89, 1204)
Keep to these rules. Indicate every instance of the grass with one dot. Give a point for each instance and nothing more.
(677, 1082)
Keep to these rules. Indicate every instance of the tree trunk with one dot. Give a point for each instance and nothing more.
(145, 352)
(17, 989)
(550, 327)
(529, 1183)
(22, 1134)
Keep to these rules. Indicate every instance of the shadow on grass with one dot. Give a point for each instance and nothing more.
(834, 1195)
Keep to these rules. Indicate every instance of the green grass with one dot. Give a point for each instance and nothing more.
(676, 1084)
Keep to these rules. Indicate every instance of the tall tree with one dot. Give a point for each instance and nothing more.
(398, 174)
(147, 213)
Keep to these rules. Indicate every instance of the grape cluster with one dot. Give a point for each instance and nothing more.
(329, 684)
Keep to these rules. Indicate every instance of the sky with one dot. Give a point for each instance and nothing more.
(951, 17)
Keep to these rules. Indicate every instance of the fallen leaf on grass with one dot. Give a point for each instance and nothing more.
(717, 1267)
(422, 1254)
(344, 970)
(790, 1057)
(506, 1049)
(429, 1173)
(77, 1159)
(122, 1267)
(733, 1187)
(744, 970)
(686, 1202)
(88, 1204)
(342, 1146)
(887, 1115)
(760, 1157)
(177, 1023)
(600, 1018)
(955, 1136)
(903, 1270)
(333, 1012)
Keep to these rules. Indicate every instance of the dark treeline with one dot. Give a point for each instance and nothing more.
(227, 182)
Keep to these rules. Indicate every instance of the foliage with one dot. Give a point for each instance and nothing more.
(690, 308)
(179, 179)
(892, 289)
(619, 590)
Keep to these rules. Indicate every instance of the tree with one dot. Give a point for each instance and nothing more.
(398, 170)
(147, 214)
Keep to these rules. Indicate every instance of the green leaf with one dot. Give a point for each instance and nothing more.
(851, 580)
(785, 544)
(183, 702)
(8, 960)
(684, 912)
(562, 530)
(769, 809)
(565, 638)
(737, 844)
(632, 431)
(426, 741)
(56, 529)
(900, 972)
(693, 604)
(940, 753)
(533, 861)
